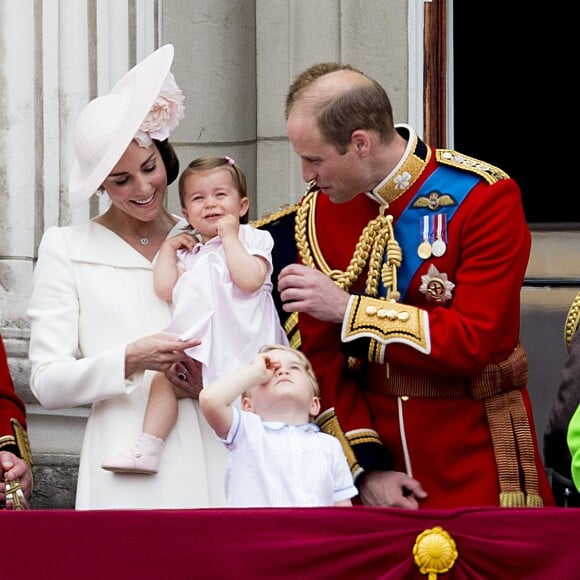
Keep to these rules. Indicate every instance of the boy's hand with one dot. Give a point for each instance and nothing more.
(266, 366)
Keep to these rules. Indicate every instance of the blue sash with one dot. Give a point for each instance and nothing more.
(444, 180)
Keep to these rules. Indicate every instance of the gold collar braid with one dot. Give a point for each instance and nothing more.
(377, 236)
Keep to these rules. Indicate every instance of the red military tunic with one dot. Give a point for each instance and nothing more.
(13, 436)
(415, 397)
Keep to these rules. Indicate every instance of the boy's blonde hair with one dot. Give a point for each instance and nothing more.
(302, 359)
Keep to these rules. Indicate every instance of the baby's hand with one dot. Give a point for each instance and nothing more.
(228, 226)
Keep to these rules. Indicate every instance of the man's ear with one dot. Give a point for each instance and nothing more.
(361, 142)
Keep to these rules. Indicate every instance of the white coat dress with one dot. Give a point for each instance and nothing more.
(92, 295)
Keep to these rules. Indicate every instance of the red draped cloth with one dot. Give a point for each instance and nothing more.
(308, 543)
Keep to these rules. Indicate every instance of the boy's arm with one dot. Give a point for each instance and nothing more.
(343, 503)
(216, 398)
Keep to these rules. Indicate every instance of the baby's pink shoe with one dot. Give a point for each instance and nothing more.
(143, 458)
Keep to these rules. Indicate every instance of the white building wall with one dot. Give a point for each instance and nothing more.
(294, 35)
(234, 61)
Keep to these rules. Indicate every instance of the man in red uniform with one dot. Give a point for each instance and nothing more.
(403, 289)
(15, 456)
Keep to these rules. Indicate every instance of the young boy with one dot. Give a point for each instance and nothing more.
(278, 457)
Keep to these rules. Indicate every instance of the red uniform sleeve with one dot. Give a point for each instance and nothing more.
(11, 406)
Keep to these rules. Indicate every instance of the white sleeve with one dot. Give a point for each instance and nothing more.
(344, 487)
(59, 379)
(258, 243)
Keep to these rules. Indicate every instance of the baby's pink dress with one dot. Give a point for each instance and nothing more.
(231, 323)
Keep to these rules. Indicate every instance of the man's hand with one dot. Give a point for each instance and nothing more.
(390, 489)
(303, 289)
(12, 468)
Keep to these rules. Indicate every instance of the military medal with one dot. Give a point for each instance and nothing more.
(436, 286)
(439, 247)
(424, 249)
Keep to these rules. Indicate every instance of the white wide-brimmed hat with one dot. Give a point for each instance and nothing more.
(135, 108)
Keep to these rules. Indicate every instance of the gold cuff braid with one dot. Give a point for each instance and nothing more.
(385, 322)
(13, 491)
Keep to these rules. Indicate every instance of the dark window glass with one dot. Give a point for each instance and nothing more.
(513, 100)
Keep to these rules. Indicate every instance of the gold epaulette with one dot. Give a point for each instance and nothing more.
(272, 217)
(572, 321)
(490, 173)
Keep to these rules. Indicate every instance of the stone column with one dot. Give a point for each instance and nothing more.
(215, 65)
(54, 57)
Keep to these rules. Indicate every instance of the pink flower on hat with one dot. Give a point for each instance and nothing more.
(165, 114)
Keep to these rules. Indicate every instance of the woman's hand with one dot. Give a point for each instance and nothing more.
(186, 376)
(184, 240)
(158, 352)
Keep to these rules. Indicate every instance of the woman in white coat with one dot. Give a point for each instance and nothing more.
(94, 318)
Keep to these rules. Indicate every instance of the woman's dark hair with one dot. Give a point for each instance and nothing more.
(170, 159)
